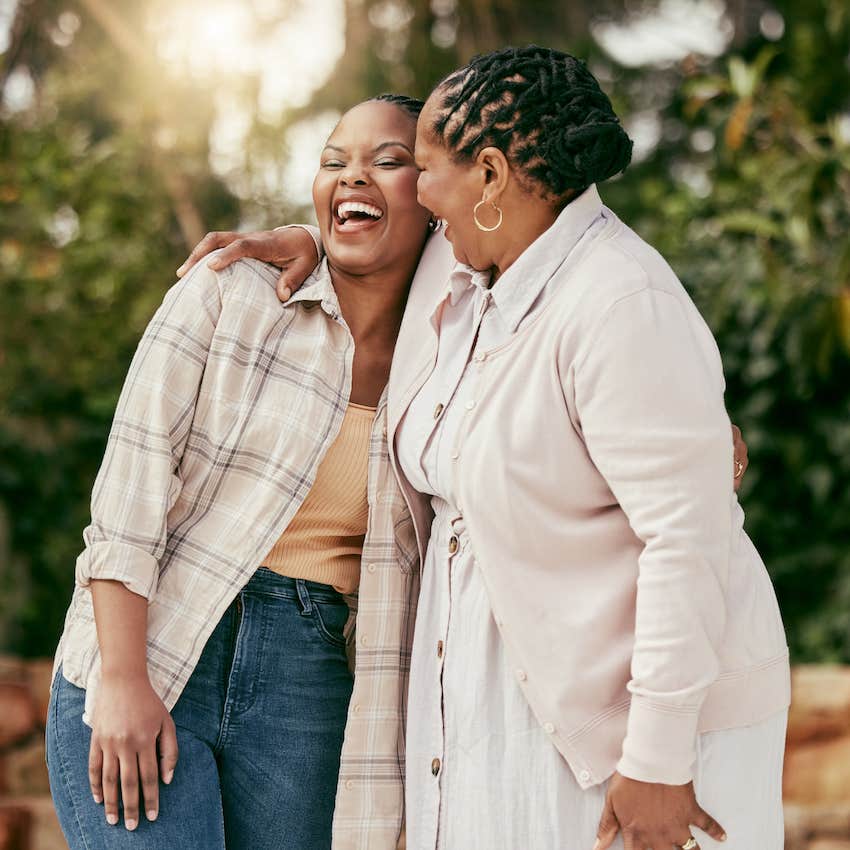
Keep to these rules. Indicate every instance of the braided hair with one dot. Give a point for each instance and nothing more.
(543, 109)
(410, 105)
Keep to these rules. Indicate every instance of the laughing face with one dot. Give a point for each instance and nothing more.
(365, 191)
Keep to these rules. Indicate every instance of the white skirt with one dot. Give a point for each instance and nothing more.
(483, 775)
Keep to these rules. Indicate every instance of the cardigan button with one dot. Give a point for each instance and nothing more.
(453, 544)
(548, 728)
(438, 410)
(435, 767)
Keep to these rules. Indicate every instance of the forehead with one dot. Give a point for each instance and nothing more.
(371, 124)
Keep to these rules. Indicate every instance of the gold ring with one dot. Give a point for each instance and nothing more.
(691, 843)
(739, 471)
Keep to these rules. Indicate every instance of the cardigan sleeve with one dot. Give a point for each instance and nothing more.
(649, 395)
(138, 481)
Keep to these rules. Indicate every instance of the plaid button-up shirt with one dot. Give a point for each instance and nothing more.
(230, 404)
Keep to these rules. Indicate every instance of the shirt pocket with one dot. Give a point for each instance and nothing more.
(406, 548)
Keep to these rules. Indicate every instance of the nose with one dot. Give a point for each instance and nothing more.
(353, 175)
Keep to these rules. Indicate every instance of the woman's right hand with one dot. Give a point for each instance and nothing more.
(129, 720)
(291, 249)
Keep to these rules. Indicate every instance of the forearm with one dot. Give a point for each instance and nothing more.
(121, 618)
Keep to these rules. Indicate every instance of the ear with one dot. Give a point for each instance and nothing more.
(496, 170)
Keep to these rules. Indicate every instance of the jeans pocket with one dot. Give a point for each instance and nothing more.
(330, 619)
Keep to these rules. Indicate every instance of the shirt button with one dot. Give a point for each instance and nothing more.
(521, 675)
(470, 404)
(453, 545)
(356, 709)
(584, 776)
(384, 430)
(371, 567)
(349, 784)
(437, 411)
(455, 455)
(364, 640)
(548, 728)
(435, 766)
(439, 649)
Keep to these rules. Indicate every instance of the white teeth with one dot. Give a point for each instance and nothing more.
(346, 208)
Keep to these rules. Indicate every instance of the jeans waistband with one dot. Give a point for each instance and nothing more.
(266, 581)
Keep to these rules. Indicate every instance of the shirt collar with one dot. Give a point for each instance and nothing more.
(518, 288)
(318, 288)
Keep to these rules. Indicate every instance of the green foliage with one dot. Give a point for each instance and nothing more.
(747, 193)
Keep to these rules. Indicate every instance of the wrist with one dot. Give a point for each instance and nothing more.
(124, 673)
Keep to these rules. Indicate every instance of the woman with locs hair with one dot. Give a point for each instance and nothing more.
(598, 654)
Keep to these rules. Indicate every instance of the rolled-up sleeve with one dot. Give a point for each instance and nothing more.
(138, 481)
(649, 395)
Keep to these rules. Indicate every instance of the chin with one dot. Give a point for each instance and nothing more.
(355, 259)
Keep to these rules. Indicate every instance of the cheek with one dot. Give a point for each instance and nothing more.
(402, 193)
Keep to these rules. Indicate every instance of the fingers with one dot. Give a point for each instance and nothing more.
(96, 769)
(709, 825)
(110, 787)
(167, 750)
(149, 778)
(216, 239)
(237, 248)
(292, 277)
(129, 767)
(740, 457)
(608, 827)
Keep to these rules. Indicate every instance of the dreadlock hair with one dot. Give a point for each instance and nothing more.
(543, 109)
(410, 105)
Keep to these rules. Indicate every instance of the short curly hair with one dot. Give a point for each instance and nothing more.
(543, 109)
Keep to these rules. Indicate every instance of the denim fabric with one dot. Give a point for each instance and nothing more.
(259, 726)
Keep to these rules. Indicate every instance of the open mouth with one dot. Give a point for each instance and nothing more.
(355, 215)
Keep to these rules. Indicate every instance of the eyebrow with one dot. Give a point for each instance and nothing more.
(376, 150)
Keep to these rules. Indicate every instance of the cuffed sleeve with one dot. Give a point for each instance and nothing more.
(139, 481)
(315, 235)
(649, 395)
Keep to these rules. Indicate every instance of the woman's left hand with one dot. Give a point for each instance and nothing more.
(652, 815)
(740, 455)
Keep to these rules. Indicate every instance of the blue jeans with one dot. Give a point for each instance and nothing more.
(259, 727)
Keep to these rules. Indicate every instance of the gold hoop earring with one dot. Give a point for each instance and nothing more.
(478, 224)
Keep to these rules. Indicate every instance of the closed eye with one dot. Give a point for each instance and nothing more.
(333, 163)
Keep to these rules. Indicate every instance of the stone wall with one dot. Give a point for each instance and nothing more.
(817, 765)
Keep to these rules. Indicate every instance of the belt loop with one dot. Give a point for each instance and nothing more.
(304, 597)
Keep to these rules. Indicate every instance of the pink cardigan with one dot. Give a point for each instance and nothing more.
(595, 481)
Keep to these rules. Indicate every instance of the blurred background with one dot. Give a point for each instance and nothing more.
(128, 128)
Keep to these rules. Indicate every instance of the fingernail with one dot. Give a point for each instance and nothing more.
(130, 824)
(286, 294)
(97, 799)
(181, 270)
(215, 265)
(152, 814)
(112, 819)
(169, 775)
(723, 837)
(597, 845)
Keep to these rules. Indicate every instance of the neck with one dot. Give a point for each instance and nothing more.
(525, 223)
(372, 304)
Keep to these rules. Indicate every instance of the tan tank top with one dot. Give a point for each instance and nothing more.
(324, 541)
